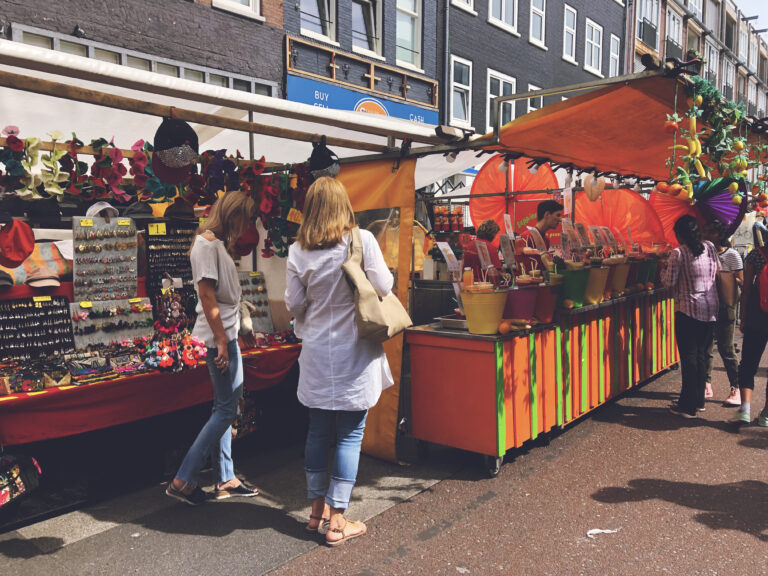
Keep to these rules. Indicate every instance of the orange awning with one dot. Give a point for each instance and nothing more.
(618, 129)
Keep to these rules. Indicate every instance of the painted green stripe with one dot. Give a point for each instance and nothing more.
(501, 415)
(601, 359)
(584, 382)
(615, 359)
(559, 375)
(534, 391)
(640, 352)
(630, 345)
(567, 370)
(664, 333)
(654, 344)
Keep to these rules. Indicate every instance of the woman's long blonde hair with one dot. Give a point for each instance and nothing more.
(328, 215)
(229, 218)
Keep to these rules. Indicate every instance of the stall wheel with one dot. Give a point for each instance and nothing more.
(493, 465)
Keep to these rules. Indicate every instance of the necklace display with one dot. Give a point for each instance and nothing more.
(254, 291)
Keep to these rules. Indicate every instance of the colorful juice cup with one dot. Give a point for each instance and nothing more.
(595, 290)
(574, 285)
(546, 301)
(484, 310)
(521, 303)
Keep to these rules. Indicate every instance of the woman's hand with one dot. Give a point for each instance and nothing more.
(222, 358)
(742, 324)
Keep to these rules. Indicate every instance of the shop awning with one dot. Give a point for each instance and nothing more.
(617, 129)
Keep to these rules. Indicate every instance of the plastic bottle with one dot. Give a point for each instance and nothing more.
(468, 277)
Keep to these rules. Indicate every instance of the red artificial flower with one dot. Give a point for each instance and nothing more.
(14, 143)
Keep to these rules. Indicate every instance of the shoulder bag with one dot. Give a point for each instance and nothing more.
(378, 319)
(727, 289)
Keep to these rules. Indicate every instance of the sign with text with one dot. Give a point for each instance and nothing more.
(450, 257)
(508, 226)
(583, 235)
(482, 253)
(508, 251)
(596, 236)
(538, 240)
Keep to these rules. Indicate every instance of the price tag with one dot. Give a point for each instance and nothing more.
(252, 274)
(538, 239)
(450, 257)
(582, 230)
(295, 216)
(508, 226)
(482, 253)
(609, 237)
(124, 222)
(596, 236)
(570, 233)
(157, 229)
(508, 251)
(86, 222)
(86, 304)
(41, 298)
(134, 300)
(202, 220)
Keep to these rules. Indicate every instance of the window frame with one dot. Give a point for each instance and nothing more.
(612, 56)
(491, 73)
(531, 88)
(466, 5)
(574, 30)
(458, 121)
(743, 43)
(673, 15)
(587, 52)
(379, 30)
(697, 8)
(712, 66)
(543, 13)
(332, 29)
(418, 36)
(512, 29)
(253, 10)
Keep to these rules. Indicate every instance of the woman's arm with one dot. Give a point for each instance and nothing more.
(749, 278)
(671, 271)
(206, 289)
(376, 267)
(295, 291)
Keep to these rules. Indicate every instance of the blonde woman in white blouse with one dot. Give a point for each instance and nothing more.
(341, 375)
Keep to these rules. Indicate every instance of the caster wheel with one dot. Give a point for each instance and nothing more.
(493, 465)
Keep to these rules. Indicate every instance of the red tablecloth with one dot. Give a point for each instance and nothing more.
(68, 410)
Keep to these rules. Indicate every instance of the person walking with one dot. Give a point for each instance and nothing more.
(730, 264)
(753, 323)
(218, 322)
(691, 273)
(341, 375)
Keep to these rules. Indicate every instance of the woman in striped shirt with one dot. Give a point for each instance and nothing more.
(690, 274)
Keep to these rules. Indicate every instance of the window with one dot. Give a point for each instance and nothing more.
(675, 27)
(106, 56)
(534, 103)
(499, 85)
(753, 55)
(537, 32)
(648, 22)
(712, 56)
(167, 69)
(728, 79)
(218, 80)
(37, 40)
(743, 44)
(695, 7)
(140, 63)
(613, 66)
(318, 19)
(248, 8)
(366, 26)
(752, 94)
(503, 13)
(73, 48)
(461, 92)
(468, 5)
(593, 48)
(569, 34)
(408, 34)
(711, 15)
(196, 75)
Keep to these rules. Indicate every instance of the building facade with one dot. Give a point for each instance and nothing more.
(231, 43)
(501, 47)
(366, 55)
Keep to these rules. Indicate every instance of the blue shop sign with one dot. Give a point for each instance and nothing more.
(306, 91)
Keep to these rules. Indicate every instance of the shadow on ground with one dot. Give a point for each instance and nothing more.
(739, 506)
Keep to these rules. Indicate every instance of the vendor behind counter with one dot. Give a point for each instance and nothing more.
(486, 234)
(549, 213)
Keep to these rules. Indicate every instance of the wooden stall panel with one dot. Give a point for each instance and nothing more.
(517, 390)
(546, 351)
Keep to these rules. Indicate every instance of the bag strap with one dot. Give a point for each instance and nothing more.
(356, 247)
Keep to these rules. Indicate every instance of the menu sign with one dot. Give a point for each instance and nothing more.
(450, 257)
(508, 251)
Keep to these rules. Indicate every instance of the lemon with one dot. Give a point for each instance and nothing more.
(738, 145)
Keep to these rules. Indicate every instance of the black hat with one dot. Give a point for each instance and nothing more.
(180, 210)
(5, 279)
(44, 212)
(323, 162)
(139, 211)
(175, 151)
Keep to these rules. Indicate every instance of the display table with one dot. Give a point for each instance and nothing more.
(487, 394)
(68, 410)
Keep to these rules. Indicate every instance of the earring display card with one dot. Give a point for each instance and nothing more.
(34, 327)
(98, 324)
(254, 289)
(105, 258)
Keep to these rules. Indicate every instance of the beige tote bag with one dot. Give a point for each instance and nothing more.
(378, 319)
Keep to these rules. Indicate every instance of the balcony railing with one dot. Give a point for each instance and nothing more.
(728, 92)
(673, 49)
(648, 33)
(711, 75)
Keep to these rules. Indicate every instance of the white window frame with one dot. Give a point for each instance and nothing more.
(253, 10)
(614, 56)
(530, 108)
(501, 23)
(712, 56)
(466, 5)
(574, 31)
(697, 7)
(651, 11)
(729, 73)
(490, 98)
(331, 38)
(752, 93)
(753, 54)
(587, 51)
(417, 40)
(377, 53)
(743, 43)
(543, 13)
(672, 15)
(458, 121)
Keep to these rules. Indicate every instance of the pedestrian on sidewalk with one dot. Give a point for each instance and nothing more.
(218, 321)
(690, 273)
(731, 279)
(341, 375)
(753, 323)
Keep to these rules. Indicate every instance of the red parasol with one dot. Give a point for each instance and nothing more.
(668, 210)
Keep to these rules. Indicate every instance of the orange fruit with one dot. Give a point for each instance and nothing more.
(662, 187)
(568, 303)
(649, 285)
(504, 327)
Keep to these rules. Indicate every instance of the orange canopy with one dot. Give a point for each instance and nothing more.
(621, 209)
(618, 129)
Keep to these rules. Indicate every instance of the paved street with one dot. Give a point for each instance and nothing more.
(678, 497)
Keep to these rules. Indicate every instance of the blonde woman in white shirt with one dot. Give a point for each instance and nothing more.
(218, 321)
(341, 375)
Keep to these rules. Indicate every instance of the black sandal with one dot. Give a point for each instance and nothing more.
(244, 490)
(194, 498)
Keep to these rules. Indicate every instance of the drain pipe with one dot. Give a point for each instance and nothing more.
(447, 65)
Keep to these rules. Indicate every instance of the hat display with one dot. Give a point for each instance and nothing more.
(175, 151)
(45, 212)
(6, 279)
(138, 211)
(17, 241)
(180, 210)
(323, 162)
(43, 277)
(103, 209)
(248, 241)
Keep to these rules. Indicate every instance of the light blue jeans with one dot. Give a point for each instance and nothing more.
(216, 436)
(349, 437)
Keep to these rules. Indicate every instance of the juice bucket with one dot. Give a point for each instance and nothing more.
(521, 303)
(653, 267)
(596, 285)
(574, 285)
(634, 267)
(546, 300)
(483, 310)
(618, 282)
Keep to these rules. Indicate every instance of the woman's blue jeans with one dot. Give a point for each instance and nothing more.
(216, 436)
(349, 437)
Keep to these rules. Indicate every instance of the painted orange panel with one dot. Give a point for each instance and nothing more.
(608, 358)
(593, 359)
(548, 378)
(520, 398)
